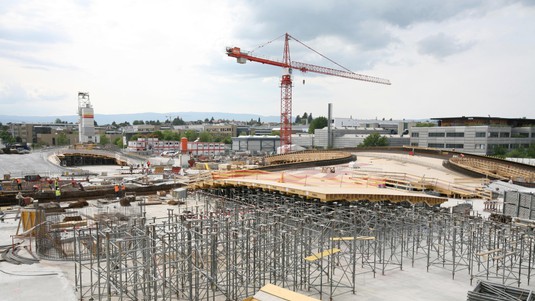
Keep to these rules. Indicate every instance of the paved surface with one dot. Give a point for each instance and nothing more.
(34, 163)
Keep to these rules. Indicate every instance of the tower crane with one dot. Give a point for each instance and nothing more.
(286, 81)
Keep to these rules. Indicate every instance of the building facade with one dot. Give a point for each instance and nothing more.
(155, 145)
(43, 133)
(476, 135)
(256, 144)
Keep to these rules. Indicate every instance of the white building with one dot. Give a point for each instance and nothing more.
(159, 146)
(476, 135)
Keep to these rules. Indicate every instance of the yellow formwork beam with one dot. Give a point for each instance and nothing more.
(320, 255)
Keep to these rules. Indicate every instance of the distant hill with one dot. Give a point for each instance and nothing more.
(109, 118)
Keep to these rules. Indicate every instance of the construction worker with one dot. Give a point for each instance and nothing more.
(19, 184)
(58, 194)
(56, 183)
(116, 189)
(20, 199)
(123, 190)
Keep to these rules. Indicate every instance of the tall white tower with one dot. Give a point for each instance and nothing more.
(86, 123)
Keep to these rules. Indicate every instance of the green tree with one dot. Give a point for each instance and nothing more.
(310, 118)
(58, 120)
(227, 140)
(170, 136)
(119, 142)
(530, 152)
(191, 135)
(317, 123)
(178, 121)
(374, 139)
(498, 151)
(518, 153)
(62, 139)
(104, 140)
(138, 122)
(205, 137)
(6, 137)
(158, 134)
(297, 119)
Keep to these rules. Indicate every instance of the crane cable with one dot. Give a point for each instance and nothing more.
(262, 45)
(320, 54)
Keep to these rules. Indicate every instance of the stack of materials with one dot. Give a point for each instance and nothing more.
(496, 292)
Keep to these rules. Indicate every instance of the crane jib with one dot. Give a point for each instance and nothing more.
(286, 87)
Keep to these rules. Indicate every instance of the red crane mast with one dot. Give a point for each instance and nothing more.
(286, 81)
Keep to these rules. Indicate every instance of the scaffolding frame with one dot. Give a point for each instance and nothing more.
(236, 240)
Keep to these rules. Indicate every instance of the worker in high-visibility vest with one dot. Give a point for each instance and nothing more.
(58, 194)
(123, 190)
(116, 189)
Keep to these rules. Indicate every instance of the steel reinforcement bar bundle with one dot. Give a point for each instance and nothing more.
(241, 239)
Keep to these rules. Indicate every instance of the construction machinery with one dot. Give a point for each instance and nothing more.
(286, 81)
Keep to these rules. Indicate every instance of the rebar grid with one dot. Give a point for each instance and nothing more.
(238, 239)
(55, 233)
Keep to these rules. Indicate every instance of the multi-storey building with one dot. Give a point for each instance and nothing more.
(477, 135)
(159, 146)
(256, 144)
(42, 132)
(222, 130)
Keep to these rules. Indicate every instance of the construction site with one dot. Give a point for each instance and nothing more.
(390, 223)
(327, 225)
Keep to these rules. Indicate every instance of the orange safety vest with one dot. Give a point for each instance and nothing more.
(116, 188)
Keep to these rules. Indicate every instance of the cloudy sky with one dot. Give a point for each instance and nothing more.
(444, 58)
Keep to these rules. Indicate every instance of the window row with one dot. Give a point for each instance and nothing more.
(447, 145)
(447, 134)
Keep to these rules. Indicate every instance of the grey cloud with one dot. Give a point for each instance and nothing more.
(442, 45)
(528, 2)
(364, 23)
(410, 12)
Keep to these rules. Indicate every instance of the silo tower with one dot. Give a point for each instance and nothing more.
(86, 123)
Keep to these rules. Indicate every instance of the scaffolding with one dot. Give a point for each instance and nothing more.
(236, 240)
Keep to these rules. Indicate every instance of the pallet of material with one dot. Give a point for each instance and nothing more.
(65, 225)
